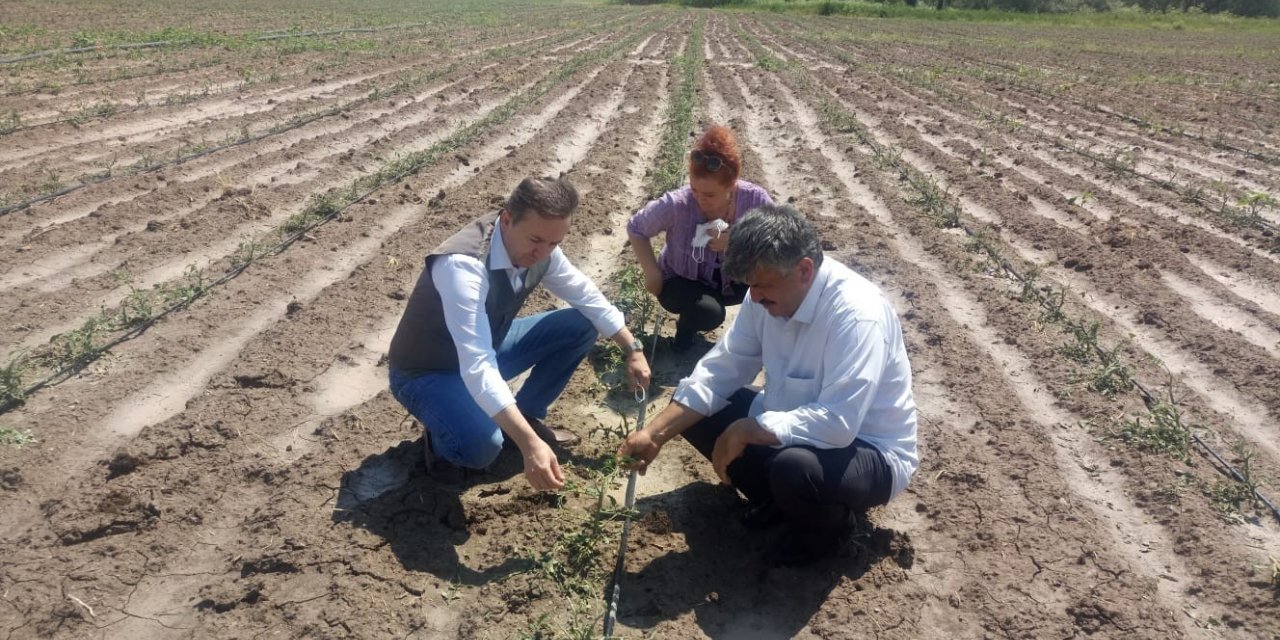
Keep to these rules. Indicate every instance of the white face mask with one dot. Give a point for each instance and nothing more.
(706, 232)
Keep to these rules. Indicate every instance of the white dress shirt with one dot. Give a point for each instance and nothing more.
(834, 371)
(463, 284)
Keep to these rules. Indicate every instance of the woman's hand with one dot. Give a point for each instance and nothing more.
(719, 243)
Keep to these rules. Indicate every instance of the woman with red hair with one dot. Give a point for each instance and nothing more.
(697, 220)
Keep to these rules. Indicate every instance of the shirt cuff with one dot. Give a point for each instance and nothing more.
(699, 398)
(496, 395)
(610, 323)
(779, 423)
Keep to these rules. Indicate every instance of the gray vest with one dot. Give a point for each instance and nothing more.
(422, 341)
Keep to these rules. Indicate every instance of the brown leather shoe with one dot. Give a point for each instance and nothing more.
(550, 435)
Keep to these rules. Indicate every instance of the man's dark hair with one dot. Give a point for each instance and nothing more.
(771, 236)
(546, 196)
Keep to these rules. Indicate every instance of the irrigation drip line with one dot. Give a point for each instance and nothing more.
(294, 124)
(167, 43)
(89, 357)
(100, 178)
(1150, 400)
(1226, 146)
(136, 330)
(615, 594)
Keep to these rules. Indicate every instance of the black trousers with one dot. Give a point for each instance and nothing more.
(699, 307)
(815, 489)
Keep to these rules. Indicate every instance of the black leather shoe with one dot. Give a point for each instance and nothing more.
(798, 548)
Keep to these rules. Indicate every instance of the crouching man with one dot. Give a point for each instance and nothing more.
(459, 340)
(833, 433)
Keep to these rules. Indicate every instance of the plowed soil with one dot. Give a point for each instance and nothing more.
(239, 470)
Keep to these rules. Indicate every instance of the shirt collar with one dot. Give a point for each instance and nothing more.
(808, 308)
(498, 258)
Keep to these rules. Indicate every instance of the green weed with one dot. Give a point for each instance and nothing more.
(1113, 377)
(11, 437)
(1160, 431)
(12, 387)
(10, 122)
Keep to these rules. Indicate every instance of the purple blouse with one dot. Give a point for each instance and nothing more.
(677, 214)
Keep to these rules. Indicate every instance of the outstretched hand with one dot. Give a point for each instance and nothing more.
(541, 468)
(640, 448)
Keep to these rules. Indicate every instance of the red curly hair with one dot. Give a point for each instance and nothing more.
(718, 140)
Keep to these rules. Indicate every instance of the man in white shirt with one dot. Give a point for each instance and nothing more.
(459, 340)
(834, 431)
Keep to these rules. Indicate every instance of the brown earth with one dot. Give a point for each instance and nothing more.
(239, 470)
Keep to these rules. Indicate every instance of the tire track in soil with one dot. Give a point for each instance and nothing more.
(561, 104)
(967, 312)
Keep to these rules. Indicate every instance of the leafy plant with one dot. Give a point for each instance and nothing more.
(1160, 431)
(10, 122)
(12, 387)
(14, 438)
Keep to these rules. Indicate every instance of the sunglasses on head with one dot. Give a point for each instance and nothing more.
(710, 161)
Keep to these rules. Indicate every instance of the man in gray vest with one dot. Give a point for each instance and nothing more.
(459, 340)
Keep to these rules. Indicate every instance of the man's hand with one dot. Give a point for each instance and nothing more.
(734, 440)
(541, 468)
(638, 370)
(641, 447)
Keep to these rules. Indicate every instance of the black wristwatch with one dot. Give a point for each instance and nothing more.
(635, 346)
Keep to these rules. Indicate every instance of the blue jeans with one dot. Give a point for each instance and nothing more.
(551, 343)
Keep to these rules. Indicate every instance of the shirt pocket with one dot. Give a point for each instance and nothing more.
(792, 393)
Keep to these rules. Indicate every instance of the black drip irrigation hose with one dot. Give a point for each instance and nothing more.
(133, 332)
(615, 594)
(1150, 400)
(168, 43)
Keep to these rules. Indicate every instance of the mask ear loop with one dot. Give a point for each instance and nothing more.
(699, 253)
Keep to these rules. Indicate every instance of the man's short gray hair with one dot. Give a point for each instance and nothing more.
(546, 196)
(771, 236)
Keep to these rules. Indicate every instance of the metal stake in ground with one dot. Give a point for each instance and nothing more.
(611, 616)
